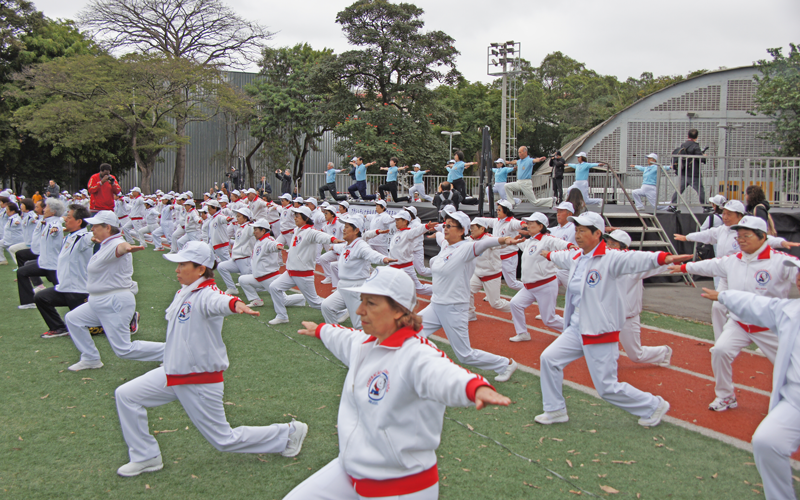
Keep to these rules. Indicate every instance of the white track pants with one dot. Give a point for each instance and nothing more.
(187, 237)
(332, 483)
(509, 267)
(241, 266)
(149, 230)
(498, 188)
(325, 260)
(140, 228)
(203, 405)
(545, 297)
(113, 313)
(341, 299)
(251, 288)
(419, 262)
(275, 227)
(733, 339)
(602, 362)
(177, 234)
(455, 322)
(526, 187)
(128, 231)
(492, 290)
(776, 438)
(630, 338)
(583, 187)
(418, 188)
(648, 191)
(285, 282)
(223, 253)
(422, 289)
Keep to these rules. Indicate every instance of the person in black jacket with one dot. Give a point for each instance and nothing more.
(756, 203)
(234, 176)
(446, 196)
(557, 164)
(263, 186)
(286, 180)
(689, 169)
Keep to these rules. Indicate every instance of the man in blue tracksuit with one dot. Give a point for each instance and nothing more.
(330, 184)
(361, 179)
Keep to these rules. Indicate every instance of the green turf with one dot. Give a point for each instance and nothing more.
(61, 438)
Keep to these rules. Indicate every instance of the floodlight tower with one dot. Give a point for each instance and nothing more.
(503, 59)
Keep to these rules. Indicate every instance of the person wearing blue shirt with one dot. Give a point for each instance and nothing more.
(455, 173)
(581, 183)
(501, 172)
(524, 183)
(330, 184)
(360, 185)
(649, 175)
(419, 185)
(391, 181)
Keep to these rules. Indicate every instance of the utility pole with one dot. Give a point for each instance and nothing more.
(503, 59)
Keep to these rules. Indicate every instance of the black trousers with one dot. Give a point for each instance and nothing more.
(24, 283)
(47, 301)
(686, 181)
(25, 256)
(558, 191)
(331, 186)
(391, 187)
(361, 187)
(460, 186)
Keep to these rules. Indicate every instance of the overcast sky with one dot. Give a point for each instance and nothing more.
(613, 37)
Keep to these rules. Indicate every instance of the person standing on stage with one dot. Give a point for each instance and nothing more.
(501, 172)
(455, 173)
(360, 186)
(581, 183)
(391, 181)
(557, 173)
(419, 184)
(111, 302)
(524, 183)
(330, 184)
(649, 177)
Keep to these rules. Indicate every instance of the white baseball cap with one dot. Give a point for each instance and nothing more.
(251, 191)
(135, 190)
(189, 202)
(479, 221)
(501, 161)
(381, 203)
(402, 214)
(718, 200)
(538, 217)
(104, 217)
(203, 209)
(416, 165)
(356, 220)
(449, 209)
(149, 202)
(507, 204)
(590, 219)
(462, 218)
(302, 210)
(245, 211)
(213, 203)
(390, 282)
(566, 205)
(325, 204)
(194, 251)
(299, 199)
(286, 196)
(262, 223)
(735, 206)
(223, 199)
(751, 222)
(583, 153)
(355, 158)
(334, 209)
(412, 209)
(311, 200)
(345, 205)
(236, 192)
(451, 161)
(621, 236)
(189, 194)
(653, 156)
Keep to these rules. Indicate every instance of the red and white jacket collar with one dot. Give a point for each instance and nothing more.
(395, 340)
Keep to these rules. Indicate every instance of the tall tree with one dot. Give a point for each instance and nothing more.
(293, 101)
(206, 32)
(778, 95)
(384, 95)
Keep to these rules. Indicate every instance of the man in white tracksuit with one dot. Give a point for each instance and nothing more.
(757, 269)
(265, 263)
(111, 302)
(778, 435)
(593, 316)
(194, 361)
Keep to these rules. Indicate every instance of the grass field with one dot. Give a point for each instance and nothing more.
(61, 437)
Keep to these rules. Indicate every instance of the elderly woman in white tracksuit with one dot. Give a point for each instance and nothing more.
(191, 224)
(286, 224)
(539, 280)
(403, 242)
(778, 435)
(194, 361)
(449, 307)
(487, 272)
(242, 251)
(332, 227)
(151, 215)
(355, 259)
(300, 265)
(382, 220)
(265, 262)
(218, 238)
(166, 223)
(633, 288)
(111, 303)
(593, 317)
(419, 248)
(395, 394)
(757, 269)
(506, 225)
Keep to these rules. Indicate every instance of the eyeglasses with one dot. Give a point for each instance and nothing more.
(745, 237)
(448, 226)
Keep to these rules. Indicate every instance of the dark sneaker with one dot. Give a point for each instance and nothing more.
(54, 333)
(135, 323)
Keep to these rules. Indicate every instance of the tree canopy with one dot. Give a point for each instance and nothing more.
(778, 95)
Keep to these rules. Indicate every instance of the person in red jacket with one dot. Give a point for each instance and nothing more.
(102, 188)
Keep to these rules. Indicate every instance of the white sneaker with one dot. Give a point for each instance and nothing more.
(510, 369)
(344, 317)
(522, 337)
(552, 417)
(277, 320)
(85, 365)
(326, 281)
(232, 291)
(539, 317)
(655, 419)
(720, 404)
(295, 439)
(135, 468)
(27, 306)
(256, 303)
(667, 358)
(39, 288)
(486, 299)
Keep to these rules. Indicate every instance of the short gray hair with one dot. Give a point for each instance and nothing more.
(56, 206)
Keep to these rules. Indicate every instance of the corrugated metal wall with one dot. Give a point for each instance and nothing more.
(205, 155)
